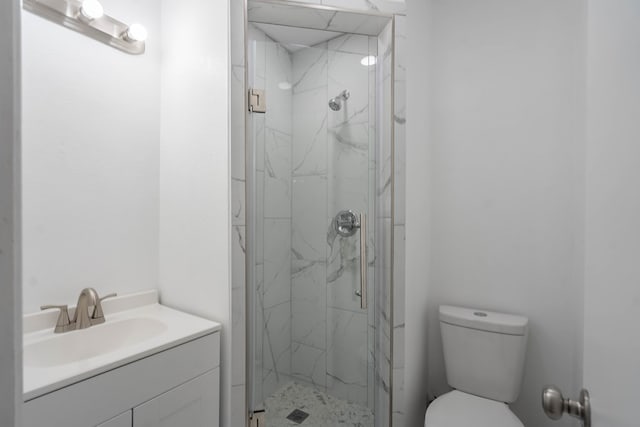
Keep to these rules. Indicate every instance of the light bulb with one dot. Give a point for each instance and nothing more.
(136, 33)
(368, 61)
(284, 85)
(91, 9)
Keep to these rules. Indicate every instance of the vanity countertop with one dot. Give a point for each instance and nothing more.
(136, 326)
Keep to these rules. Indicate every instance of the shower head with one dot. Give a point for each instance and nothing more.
(336, 103)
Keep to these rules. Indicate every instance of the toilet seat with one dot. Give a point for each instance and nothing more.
(458, 409)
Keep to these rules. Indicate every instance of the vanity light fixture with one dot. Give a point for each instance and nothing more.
(91, 9)
(136, 33)
(368, 61)
(87, 17)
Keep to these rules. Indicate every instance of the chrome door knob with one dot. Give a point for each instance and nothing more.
(555, 405)
(553, 402)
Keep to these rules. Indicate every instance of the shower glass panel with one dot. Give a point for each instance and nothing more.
(315, 342)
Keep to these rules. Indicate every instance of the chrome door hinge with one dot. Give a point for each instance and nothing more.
(257, 101)
(257, 419)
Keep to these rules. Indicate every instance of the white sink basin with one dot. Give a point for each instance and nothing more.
(71, 347)
(136, 326)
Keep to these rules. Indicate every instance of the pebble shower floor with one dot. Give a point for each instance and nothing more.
(324, 410)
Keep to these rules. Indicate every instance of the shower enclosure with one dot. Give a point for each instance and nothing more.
(319, 140)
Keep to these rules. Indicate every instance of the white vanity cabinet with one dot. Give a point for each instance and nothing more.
(195, 403)
(178, 386)
(122, 420)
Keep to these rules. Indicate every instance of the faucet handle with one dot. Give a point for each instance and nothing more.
(63, 324)
(108, 296)
(97, 311)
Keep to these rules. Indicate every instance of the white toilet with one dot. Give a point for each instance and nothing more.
(484, 356)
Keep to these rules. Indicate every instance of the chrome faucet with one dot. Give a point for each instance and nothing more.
(81, 318)
(88, 296)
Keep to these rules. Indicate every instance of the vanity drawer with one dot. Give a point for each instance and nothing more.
(193, 404)
(97, 399)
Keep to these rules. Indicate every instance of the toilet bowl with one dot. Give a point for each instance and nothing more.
(484, 355)
(457, 409)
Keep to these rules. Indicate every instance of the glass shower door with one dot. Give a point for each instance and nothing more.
(312, 271)
(350, 188)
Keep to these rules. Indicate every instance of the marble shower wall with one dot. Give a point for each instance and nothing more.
(399, 129)
(273, 144)
(309, 220)
(384, 238)
(350, 187)
(386, 6)
(333, 153)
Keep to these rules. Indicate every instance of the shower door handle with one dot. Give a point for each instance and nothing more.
(345, 224)
(363, 261)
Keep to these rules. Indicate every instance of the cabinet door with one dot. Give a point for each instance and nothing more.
(122, 420)
(194, 404)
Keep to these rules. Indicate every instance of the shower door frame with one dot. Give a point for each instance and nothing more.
(250, 197)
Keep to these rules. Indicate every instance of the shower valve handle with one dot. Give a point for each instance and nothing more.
(347, 223)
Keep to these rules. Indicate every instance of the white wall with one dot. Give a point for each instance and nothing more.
(119, 193)
(10, 313)
(91, 130)
(612, 294)
(417, 211)
(194, 167)
(506, 105)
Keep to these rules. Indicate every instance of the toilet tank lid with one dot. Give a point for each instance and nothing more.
(484, 320)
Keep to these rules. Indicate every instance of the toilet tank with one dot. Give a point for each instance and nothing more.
(484, 351)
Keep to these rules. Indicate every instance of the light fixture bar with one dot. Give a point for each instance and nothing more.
(104, 28)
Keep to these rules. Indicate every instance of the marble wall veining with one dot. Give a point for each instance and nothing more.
(350, 188)
(273, 144)
(399, 130)
(386, 6)
(309, 293)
